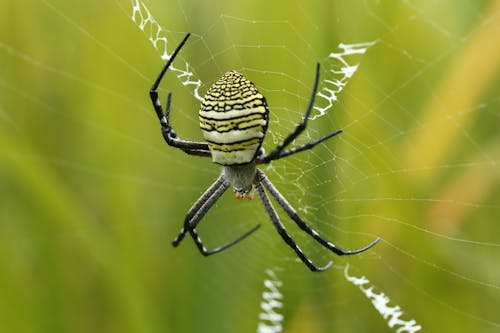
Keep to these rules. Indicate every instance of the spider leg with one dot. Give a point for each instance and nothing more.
(306, 146)
(196, 207)
(292, 213)
(172, 139)
(275, 154)
(282, 231)
(198, 211)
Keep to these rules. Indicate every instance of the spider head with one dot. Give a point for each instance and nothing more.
(242, 194)
(241, 178)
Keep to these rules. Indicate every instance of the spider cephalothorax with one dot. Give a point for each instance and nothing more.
(234, 118)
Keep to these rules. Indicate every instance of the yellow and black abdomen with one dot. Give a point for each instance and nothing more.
(234, 118)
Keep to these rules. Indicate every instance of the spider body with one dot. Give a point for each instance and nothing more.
(234, 118)
(241, 178)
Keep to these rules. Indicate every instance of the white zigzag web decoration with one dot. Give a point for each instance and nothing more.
(380, 301)
(158, 37)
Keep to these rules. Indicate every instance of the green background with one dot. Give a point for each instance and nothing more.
(90, 195)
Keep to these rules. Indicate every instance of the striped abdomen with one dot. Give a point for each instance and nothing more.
(234, 118)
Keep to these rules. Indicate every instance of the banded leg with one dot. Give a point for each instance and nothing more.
(190, 147)
(282, 231)
(196, 207)
(308, 145)
(292, 213)
(279, 151)
(198, 211)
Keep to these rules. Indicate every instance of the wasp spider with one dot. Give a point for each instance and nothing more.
(234, 118)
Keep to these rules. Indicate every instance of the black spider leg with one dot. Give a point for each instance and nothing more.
(172, 139)
(282, 231)
(279, 151)
(198, 211)
(196, 207)
(292, 213)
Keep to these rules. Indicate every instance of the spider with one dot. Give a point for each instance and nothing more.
(234, 118)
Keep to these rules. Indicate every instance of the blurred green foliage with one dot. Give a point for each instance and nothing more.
(90, 196)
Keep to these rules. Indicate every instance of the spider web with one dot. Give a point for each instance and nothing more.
(413, 85)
